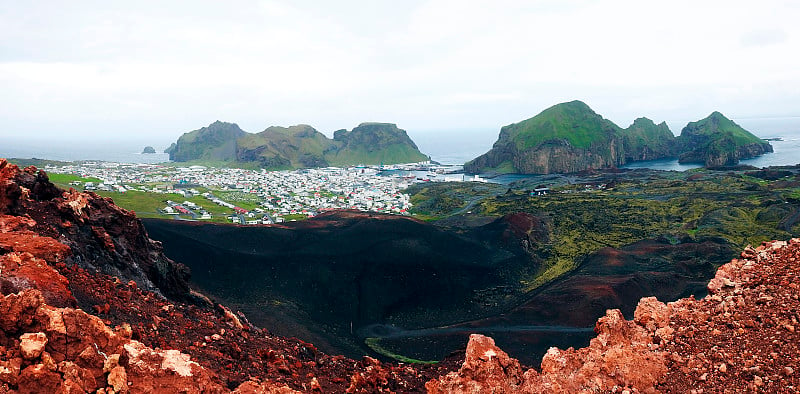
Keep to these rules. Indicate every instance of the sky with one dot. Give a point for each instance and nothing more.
(155, 69)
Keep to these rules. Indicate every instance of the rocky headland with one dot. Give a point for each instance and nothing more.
(571, 137)
(299, 146)
(83, 310)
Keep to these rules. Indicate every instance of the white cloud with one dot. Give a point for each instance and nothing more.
(421, 64)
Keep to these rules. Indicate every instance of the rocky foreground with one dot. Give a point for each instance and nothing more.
(743, 337)
(90, 304)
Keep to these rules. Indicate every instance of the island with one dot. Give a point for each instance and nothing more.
(298, 146)
(717, 141)
(571, 137)
(148, 150)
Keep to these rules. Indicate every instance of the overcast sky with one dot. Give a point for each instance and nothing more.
(158, 69)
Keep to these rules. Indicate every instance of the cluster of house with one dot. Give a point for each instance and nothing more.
(281, 195)
(186, 208)
(308, 192)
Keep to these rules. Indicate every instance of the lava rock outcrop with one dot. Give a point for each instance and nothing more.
(99, 235)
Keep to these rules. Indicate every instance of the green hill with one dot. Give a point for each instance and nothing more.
(645, 140)
(284, 147)
(299, 146)
(217, 142)
(718, 141)
(372, 143)
(574, 122)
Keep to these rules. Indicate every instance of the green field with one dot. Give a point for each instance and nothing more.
(147, 205)
(63, 180)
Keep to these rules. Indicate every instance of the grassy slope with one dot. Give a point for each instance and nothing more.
(287, 142)
(374, 143)
(393, 154)
(717, 125)
(146, 205)
(573, 121)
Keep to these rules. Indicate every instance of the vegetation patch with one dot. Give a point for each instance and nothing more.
(374, 344)
(610, 210)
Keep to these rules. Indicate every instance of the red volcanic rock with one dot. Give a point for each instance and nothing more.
(9, 191)
(486, 368)
(9, 371)
(36, 379)
(251, 387)
(45, 248)
(31, 345)
(743, 337)
(22, 270)
(621, 356)
(66, 349)
(99, 235)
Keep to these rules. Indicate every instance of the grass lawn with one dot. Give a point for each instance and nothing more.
(63, 180)
(143, 203)
(297, 216)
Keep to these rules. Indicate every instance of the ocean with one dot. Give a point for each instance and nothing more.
(125, 151)
(446, 147)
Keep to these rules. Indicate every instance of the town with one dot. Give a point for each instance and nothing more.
(258, 196)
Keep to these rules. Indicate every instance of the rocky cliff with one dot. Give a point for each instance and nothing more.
(717, 141)
(98, 235)
(298, 146)
(571, 137)
(216, 142)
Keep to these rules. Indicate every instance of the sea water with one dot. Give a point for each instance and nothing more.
(120, 151)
